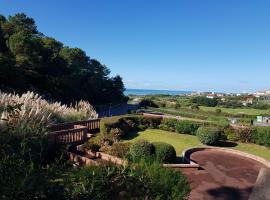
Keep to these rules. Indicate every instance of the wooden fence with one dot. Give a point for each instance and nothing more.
(73, 132)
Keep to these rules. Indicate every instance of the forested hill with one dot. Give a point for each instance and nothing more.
(29, 60)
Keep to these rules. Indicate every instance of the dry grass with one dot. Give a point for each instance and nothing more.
(32, 108)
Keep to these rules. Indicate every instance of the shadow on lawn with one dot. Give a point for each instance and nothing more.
(131, 135)
(226, 144)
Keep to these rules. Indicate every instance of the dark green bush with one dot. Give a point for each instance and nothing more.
(187, 127)
(165, 153)
(141, 149)
(208, 135)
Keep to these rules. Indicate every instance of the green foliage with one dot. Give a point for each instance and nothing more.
(116, 128)
(187, 127)
(204, 101)
(168, 124)
(119, 149)
(29, 59)
(240, 134)
(141, 149)
(261, 135)
(164, 152)
(147, 103)
(163, 183)
(208, 135)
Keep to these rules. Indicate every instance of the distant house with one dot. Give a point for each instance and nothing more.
(249, 100)
(211, 96)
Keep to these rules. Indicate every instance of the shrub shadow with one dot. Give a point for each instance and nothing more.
(230, 193)
(226, 144)
(131, 135)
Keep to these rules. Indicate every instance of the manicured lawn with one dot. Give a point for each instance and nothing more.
(247, 111)
(182, 141)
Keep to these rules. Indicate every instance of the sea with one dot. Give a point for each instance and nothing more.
(143, 92)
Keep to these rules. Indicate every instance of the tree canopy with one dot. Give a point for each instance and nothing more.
(29, 60)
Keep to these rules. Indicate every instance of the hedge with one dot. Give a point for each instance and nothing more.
(187, 127)
(208, 135)
(164, 152)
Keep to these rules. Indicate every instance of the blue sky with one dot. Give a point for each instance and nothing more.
(217, 45)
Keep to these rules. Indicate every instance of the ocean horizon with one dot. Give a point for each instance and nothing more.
(153, 91)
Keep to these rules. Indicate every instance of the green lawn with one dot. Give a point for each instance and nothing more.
(182, 141)
(233, 111)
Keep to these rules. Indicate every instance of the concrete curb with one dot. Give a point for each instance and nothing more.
(261, 190)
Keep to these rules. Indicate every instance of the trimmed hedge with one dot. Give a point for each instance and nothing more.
(164, 152)
(141, 149)
(187, 127)
(208, 135)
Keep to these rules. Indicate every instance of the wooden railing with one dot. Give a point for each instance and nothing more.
(73, 132)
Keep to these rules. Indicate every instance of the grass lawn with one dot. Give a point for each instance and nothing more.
(182, 141)
(233, 111)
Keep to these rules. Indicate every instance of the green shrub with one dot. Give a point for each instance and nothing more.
(119, 149)
(117, 127)
(162, 183)
(208, 135)
(187, 127)
(261, 135)
(168, 124)
(230, 134)
(141, 149)
(165, 153)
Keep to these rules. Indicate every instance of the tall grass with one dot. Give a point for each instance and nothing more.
(31, 108)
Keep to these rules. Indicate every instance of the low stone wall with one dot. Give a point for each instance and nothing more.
(81, 160)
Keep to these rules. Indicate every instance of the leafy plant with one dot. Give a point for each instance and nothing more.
(187, 127)
(208, 135)
(164, 152)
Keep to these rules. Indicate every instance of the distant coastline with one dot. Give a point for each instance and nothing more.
(150, 91)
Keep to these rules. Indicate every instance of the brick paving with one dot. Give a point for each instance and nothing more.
(224, 176)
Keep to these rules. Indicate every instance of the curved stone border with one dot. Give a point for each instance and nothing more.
(261, 189)
(189, 151)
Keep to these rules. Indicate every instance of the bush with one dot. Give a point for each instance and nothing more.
(168, 124)
(117, 127)
(261, 135)
(119, 149)
(230, 134)
(141, 149)
(165, 153)
(187, 127)
(208, 135)
(162, 183)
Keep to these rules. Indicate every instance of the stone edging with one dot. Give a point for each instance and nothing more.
(188, 151)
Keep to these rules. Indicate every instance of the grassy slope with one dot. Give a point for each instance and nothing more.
(182, 141)
(247, 111)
